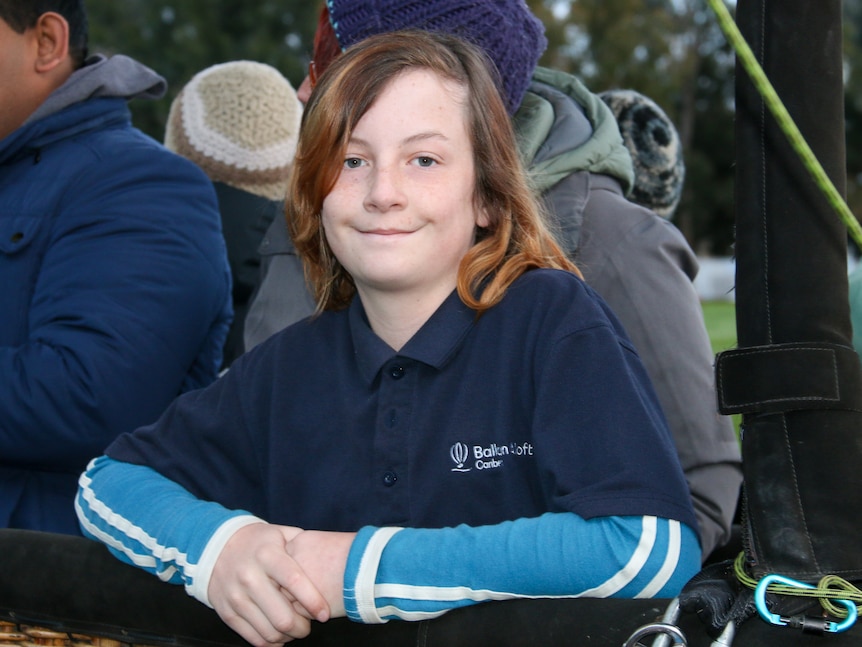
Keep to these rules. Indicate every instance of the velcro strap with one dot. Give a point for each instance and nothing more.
(786, 377)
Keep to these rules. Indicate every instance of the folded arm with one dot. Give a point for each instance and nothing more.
(149, 521)
(410, 574)
(414, 574)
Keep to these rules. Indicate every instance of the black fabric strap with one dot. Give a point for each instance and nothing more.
(788, 377)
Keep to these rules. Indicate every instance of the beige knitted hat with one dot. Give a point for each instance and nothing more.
(239, 122)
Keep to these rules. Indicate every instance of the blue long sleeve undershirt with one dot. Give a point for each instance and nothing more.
(151, 522)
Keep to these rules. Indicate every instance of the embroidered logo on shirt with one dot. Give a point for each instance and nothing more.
(459, 453)
(488, 457)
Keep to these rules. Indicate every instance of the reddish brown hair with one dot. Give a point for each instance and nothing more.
(516, 238)
(326, 47)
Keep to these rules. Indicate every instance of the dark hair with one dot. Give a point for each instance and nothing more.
(516, 238)
(21, 15)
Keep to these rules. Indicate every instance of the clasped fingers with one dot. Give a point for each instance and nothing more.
(261, 592)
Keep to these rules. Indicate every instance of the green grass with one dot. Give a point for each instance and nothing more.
(720, 318)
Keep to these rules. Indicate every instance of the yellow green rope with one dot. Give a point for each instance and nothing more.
(783, 118)
(828, 588)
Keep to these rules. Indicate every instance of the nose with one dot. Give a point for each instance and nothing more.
(385, 191)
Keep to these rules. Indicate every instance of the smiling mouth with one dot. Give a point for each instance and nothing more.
(387, 232)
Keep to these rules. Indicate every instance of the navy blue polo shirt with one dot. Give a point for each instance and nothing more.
(539, 405)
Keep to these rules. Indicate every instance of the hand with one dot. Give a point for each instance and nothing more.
(260, 591)
(323, 557)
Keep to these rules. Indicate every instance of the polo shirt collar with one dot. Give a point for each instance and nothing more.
(435, 343)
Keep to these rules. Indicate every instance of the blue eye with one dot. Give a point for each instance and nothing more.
(425, 161)
(353, 162)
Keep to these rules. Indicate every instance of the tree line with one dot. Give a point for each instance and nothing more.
(670, 50)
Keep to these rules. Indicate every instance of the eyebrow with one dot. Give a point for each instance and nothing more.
(430, 134)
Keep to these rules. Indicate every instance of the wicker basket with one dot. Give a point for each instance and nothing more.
(17, 635)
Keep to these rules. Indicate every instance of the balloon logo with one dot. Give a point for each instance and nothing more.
(459, 452)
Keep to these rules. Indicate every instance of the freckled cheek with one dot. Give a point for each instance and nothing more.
(330, 226)
(335, 217)
(328, 210)
(344, 196)
(331, 234)
(334, 206)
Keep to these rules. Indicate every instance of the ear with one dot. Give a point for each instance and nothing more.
(52, 42)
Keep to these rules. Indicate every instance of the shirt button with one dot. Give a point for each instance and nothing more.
(389, 478)
(397, 372)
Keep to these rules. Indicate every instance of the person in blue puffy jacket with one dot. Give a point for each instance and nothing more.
(116, 285)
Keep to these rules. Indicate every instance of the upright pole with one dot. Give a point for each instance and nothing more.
(794, 377)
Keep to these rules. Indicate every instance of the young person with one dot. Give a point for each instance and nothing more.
(116, 292)
(638, 262)
(464, 419)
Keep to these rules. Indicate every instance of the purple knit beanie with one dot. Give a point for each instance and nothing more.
(509, 33)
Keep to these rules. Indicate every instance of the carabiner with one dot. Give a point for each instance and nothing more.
(656, 628)
(671, 615)
(774, 618)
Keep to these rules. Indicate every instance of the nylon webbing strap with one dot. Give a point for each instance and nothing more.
(787, 377)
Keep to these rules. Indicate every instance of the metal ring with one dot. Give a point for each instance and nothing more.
(657, 628)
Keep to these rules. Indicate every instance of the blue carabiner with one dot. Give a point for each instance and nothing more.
(774, 618)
